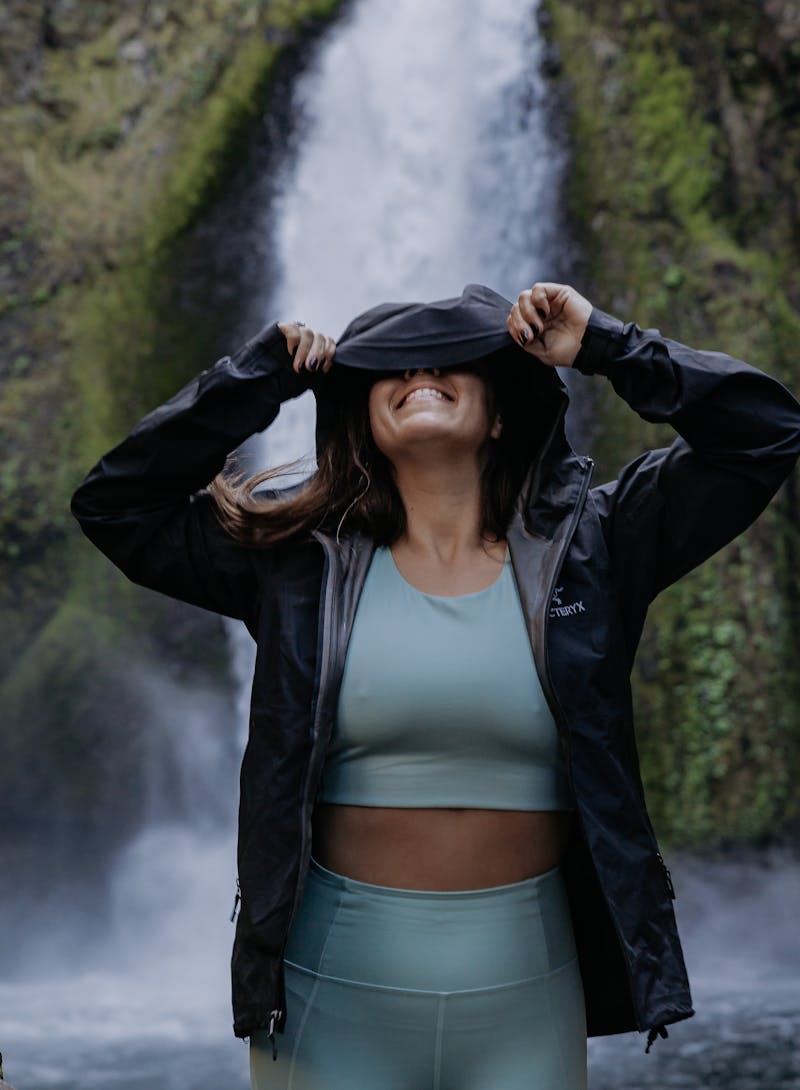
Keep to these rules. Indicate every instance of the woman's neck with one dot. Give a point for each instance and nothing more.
(444, 509)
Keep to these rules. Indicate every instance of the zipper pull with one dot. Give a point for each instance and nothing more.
(236, 900)
(274, 1016)
(656, 1031)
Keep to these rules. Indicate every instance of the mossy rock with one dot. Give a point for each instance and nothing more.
(118, 145)
(665, 215)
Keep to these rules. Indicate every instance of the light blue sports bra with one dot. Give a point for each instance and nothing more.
(440, 703)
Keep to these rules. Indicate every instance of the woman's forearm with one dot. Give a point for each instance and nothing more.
(145, 504)
(180, 446)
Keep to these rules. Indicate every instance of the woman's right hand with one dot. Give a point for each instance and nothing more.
(310, 351)
(548, 321)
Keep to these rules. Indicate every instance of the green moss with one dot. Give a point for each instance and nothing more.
(99, 234)
(213, 138)
(715, 732)
(116, 170)
(664, 212)
(226, 119)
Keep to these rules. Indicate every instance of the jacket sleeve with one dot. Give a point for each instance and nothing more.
(145, 503)
(738, 439)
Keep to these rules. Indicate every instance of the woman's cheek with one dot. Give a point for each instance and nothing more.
(379, 400)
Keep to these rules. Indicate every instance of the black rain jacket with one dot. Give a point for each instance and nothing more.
(588, 561)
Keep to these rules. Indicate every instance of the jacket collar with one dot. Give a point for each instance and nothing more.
(554, 484)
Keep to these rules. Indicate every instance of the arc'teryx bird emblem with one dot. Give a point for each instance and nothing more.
(558, 609)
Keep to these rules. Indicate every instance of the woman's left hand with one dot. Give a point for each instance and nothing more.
(310, 351)
(549, 321)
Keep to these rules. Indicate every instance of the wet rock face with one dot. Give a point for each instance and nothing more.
(21, 47)
(121, 125)
(684, 196)
(749, 60)
(67, 23)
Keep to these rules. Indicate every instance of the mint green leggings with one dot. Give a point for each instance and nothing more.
(392, 989)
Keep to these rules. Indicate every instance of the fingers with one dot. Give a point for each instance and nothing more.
(539, 299)
(292, 332)
(534, 311)
(549, 321)
(310, 351)
(534, 307)
(524, 325)
(305, 358)
(519, 329)
(330, 348)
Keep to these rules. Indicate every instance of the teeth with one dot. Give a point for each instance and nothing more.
(425, 392)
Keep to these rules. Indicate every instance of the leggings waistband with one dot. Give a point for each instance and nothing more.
(437, 940)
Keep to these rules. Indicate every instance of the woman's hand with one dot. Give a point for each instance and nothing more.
(310, 351)
(549, 321)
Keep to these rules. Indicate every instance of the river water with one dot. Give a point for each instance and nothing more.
(420, 160)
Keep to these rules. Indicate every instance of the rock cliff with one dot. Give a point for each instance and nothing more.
(683, 196)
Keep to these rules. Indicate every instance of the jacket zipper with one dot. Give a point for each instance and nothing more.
(277, 1016)
(274, 1016)
(556, 703)
(588, 464)
(325, 662)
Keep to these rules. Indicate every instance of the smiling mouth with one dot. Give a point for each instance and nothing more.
(424, 393)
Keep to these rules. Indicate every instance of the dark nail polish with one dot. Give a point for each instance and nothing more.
(312, 364)
(523, 336)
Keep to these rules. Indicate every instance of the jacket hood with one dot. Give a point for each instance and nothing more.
(446, 333)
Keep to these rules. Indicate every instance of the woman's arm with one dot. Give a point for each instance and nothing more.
(145, 504)
(738, 436)
(738, 439)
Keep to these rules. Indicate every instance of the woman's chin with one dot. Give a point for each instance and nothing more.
(429, 440)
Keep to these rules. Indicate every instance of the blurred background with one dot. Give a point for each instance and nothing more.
(176, 176)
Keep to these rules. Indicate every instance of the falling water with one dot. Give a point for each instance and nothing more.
(420, 160)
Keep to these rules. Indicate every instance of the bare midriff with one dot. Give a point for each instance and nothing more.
(438, 848)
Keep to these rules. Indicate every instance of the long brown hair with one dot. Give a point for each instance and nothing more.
(353, 486)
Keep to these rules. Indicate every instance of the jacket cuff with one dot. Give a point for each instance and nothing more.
(266, 351)
(598, 347)
(266, 354)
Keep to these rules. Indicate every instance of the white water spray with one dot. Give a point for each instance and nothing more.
(422, 163)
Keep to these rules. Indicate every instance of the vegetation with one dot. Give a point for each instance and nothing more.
(122, 126)
(683, 122)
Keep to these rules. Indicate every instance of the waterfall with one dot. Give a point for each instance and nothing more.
(421, 159)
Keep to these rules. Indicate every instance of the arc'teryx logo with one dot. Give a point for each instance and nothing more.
(558, 609)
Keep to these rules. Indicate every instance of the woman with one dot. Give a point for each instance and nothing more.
(448, 876)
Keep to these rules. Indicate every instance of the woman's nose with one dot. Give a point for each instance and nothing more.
(411, 371)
